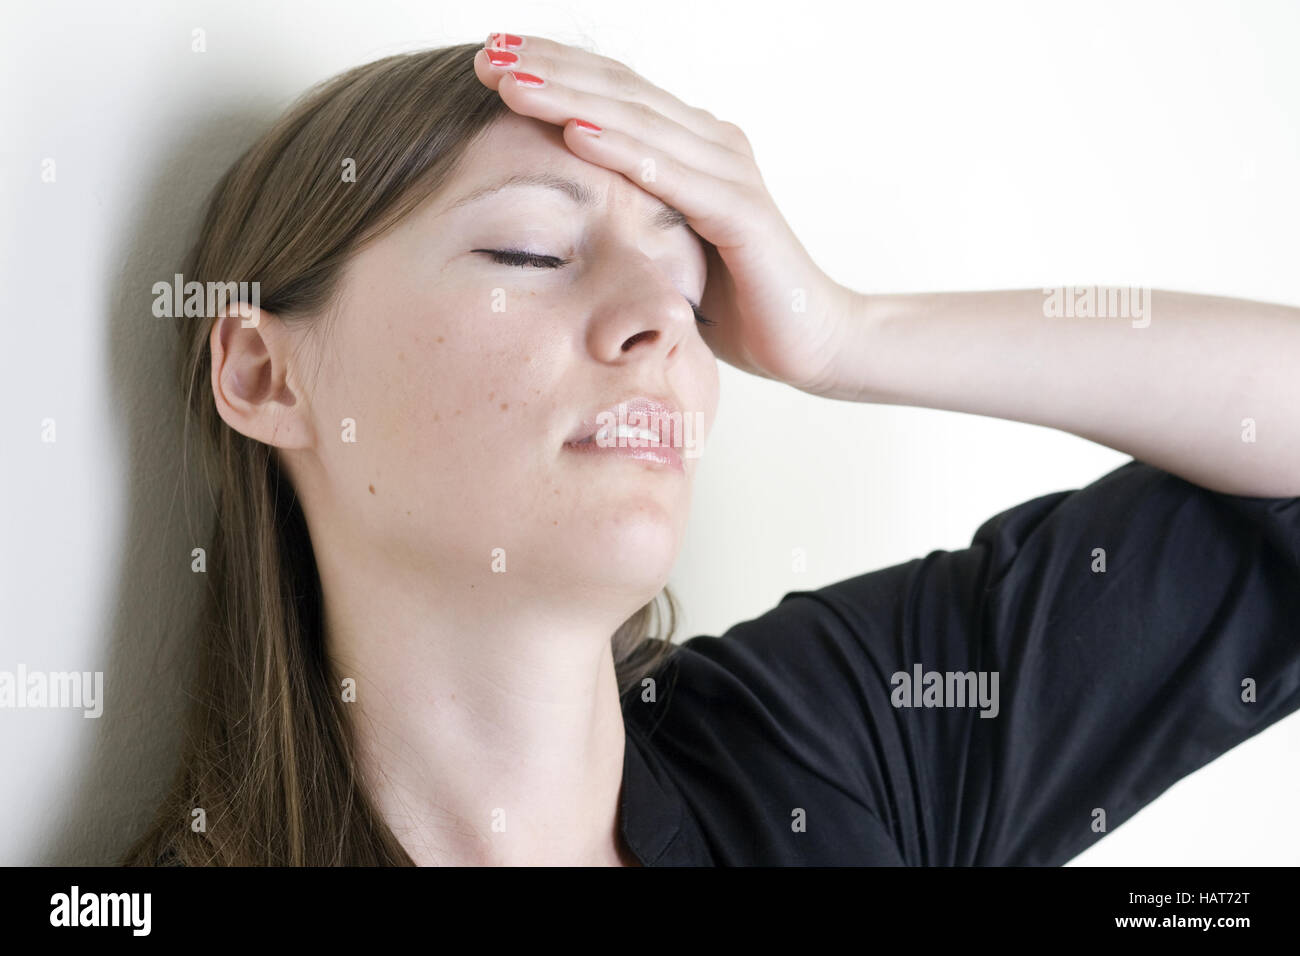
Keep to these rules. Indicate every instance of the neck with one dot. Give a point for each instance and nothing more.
(487, 719)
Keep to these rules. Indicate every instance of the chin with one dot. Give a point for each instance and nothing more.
(632, 552)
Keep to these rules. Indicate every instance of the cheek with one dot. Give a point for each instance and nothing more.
(472, 446)
(704, 390)
(464, 413)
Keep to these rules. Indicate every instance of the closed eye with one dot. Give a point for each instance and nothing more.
(512, 257)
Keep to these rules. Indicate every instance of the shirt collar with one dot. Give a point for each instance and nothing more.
(654, 820)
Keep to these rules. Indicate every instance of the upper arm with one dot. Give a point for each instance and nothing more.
(1124, 622)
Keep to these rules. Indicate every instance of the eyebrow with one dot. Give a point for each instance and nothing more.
(662, 215)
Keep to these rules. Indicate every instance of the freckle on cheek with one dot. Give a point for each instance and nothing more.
(504, 406)
(372, 489)
(440, 340)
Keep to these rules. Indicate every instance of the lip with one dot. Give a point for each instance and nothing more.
(643, 407)
(648, 411)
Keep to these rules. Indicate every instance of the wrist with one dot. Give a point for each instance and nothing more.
(852, 346)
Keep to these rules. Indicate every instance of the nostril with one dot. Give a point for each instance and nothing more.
(634, 339)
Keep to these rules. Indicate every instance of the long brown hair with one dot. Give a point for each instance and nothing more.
(269, 756)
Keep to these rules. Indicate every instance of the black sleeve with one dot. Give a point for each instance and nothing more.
(1114, 680)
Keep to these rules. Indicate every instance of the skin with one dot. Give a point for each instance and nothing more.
(481, 692)
(1204, 387)
(486, 695)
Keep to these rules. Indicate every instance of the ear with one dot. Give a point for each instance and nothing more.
(254, 379)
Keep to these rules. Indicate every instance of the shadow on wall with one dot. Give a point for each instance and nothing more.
(136, 744)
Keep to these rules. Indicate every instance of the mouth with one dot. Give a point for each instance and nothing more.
(630, 450)
(605, 435)
(637, 429)
(642, 418)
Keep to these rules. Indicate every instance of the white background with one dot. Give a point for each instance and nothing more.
(913, 146)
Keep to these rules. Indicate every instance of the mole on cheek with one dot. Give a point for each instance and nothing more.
(372, 489)
(504, 406)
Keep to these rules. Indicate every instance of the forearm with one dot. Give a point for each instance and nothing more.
(1207, 388)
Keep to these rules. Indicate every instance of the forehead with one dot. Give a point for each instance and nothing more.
(519, 151)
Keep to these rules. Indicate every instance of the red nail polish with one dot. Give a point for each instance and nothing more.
(527, 79)
(502, 58)
(583, 124)
(503, 40)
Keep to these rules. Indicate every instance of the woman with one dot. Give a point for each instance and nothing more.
(429, 633)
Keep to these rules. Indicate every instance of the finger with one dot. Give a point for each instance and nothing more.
(558, 104)
(717, 208)
(601, 75)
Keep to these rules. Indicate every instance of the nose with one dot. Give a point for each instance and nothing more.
(641, 316)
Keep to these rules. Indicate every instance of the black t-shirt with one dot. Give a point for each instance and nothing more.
(1138, 628)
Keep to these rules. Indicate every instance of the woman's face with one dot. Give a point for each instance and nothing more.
(465, 376)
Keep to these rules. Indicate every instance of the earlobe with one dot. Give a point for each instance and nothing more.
(253, 381)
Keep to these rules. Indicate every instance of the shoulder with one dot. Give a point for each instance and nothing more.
(784, 692)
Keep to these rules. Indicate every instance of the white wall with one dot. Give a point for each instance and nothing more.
(912, 146)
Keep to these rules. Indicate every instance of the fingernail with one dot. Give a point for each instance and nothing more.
(527, 79)
(502, 58)
(586, 127)
(503, 40)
